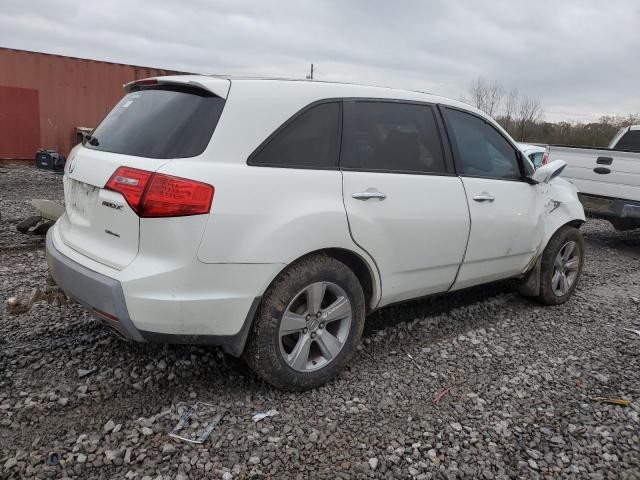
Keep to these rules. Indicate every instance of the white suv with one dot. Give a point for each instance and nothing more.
(271, 216)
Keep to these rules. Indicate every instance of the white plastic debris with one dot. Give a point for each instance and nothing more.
(260, 416)
(48, 209)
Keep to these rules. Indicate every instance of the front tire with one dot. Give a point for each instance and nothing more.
(561, 266)
(308, 325)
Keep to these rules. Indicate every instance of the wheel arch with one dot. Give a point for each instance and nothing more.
(556, 226)
(364, 269)
(530, 286)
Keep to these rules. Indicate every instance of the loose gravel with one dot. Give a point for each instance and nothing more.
(514, 383)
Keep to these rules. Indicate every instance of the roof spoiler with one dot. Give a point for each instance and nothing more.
(217, 86)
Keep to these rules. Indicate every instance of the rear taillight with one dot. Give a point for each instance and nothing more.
(130, 182)
(174, 197)
(157, 195)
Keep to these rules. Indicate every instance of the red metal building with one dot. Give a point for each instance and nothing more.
(44, 98)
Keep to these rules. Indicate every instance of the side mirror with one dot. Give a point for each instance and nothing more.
(548, 172)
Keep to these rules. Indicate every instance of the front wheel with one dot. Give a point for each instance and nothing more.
(561, 266)
(308, 325)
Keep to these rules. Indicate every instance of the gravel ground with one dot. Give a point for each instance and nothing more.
(518, 382)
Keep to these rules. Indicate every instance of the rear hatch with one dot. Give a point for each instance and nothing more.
(156, 122)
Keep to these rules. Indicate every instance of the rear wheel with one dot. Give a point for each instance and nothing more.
(561, 266)
(308, 325)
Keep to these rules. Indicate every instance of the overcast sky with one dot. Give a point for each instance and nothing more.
(580, 57)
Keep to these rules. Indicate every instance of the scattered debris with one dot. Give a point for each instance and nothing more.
(198, 422)
(49, 210)
(633, 330)
(50, 293)
(414, 361)
(612, 401)
(444, 392)
(83, 372)
(53, 459)
(34, 225)
(259, 416)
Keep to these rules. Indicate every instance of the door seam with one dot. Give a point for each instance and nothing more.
(464, 255)
(344, 205)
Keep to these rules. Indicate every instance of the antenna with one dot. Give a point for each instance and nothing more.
(310, 76)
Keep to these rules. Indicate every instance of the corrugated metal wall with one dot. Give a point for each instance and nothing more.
(70, 92)
(19, 122)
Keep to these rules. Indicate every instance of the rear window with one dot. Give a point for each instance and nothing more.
(159, 122)
(391, 137)
(630, 141)
(309, 140)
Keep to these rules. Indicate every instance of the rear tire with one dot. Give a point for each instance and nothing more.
(308, 325)
(561, 266)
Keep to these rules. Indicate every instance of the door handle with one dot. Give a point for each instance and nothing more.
(604, 161)
(602, 170)
(483, 197)
(368, 195)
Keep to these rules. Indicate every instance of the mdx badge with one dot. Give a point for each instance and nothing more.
(115, 206)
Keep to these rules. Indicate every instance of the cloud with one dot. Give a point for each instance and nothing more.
(578, 56)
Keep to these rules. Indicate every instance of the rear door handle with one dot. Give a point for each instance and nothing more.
(483, 197)
(604, 161)
(368, 195)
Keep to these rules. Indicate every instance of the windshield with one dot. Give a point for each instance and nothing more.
(159, 122)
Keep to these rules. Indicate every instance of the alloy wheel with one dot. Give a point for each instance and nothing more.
(565, 268)
(315, 326)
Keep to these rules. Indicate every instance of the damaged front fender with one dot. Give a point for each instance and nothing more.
(562, 207)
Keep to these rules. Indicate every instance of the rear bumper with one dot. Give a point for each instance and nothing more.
(610, 207)
(101, 295)
(105, 298)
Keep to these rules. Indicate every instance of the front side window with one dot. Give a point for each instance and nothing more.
(482, 151)
(391, 137)
(159, 122)
(630, 141)
(309, 140)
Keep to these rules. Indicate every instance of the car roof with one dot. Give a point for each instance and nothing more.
(313, 90)
(320, 88)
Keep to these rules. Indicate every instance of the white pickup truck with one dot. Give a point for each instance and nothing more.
(608, 180)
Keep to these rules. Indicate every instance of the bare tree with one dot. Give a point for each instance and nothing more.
(509, 111)
(529, 111)
(486, 96)
(518, 114)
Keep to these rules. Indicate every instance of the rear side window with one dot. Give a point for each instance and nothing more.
(630, 141)
(391, 137)
(482, 150)
(159, 122)
(310, 140)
